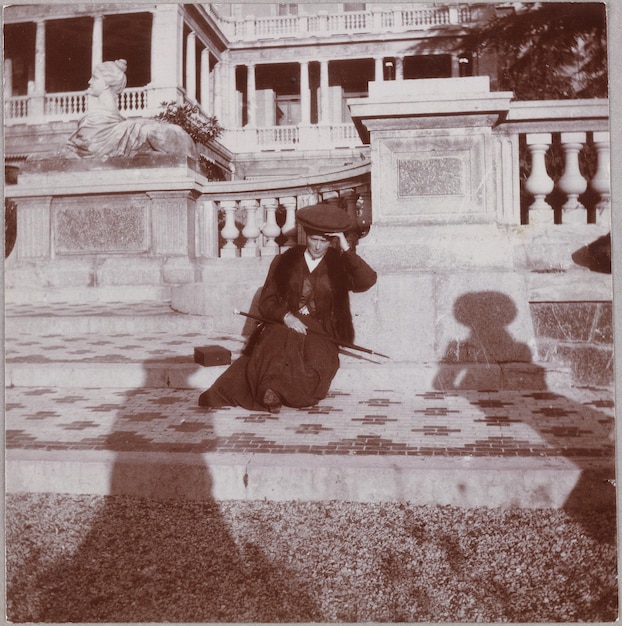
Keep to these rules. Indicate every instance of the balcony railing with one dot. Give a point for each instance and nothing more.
(17, 108)
(375, 20)
(309, 137)
(70, 105)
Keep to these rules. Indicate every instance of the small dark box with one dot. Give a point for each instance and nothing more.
(212, 355)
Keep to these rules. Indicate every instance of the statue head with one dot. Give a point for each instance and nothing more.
(113, 74)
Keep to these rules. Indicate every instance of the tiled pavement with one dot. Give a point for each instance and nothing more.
(386, 432)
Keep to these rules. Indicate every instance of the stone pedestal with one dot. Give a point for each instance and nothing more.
(447, 291)
(105, 222)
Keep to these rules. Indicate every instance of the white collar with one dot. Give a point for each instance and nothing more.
(311, 262)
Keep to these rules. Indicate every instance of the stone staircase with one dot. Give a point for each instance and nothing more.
(110, 386)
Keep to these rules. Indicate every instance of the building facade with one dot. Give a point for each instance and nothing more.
(278, 80)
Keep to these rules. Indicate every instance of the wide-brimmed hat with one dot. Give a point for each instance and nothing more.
(324, 218)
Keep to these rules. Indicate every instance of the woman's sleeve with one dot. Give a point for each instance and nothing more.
(362, 276)
(271, 306)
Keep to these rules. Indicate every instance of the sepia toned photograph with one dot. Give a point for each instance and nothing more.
(309, 312)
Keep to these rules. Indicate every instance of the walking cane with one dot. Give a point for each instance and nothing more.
(339, 342)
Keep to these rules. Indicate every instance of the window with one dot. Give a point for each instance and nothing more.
(288, 9)
(354, 6)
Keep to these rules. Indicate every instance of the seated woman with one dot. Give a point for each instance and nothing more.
(307, 289)
(103, 132)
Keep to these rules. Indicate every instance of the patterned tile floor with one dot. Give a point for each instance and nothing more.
(577, 424)
(383, 422)
(118, 347)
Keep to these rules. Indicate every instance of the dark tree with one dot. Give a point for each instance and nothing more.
(550, 50)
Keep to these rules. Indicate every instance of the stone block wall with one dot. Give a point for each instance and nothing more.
(578, 335)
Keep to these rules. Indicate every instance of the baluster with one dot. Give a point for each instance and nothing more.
(270, 229)
(289, 228)
(601, 183)
(251, 231)
(572, 182)
(539, 184)
(229, 231)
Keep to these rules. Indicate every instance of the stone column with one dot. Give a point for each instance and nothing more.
(218, 95)
(305, 93)
(191, 66)
(8, 77)
(455, 66)
(98, 41)
(324, 94)
(251, 96)
(205, 82)
(379, 69)
(165, 54)
(38, 95)
(399, 68)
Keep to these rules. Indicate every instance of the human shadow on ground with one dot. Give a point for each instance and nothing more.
(159, 548)
(489, 359)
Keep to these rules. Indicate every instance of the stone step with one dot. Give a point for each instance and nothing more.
(103, 325)
(460, 448)
(180, 372)
(102, 317)
(83, 296)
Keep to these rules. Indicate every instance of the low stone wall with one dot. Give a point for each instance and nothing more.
(578, 335)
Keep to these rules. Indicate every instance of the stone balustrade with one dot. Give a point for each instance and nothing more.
(72, 105)
(377, 19)
(570, 128)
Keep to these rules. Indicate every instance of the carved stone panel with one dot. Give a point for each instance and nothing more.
(435, 176)
(101, 224)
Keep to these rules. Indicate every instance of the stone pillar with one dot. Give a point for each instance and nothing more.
(169, 222)
(435, 240)
(378, 69)
(166, 55)
(251, 96)
(8, 77)
(455, 66)
(206, 229)
(399, 68)
(98, 41)
(191, 66)
(305, 93)
(218, 95)
(33, 228)
(324, 93)
(205, 82)
(38, 95)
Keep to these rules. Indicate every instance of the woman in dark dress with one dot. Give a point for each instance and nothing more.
(307, 289)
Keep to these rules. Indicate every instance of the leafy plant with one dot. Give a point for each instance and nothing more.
(550, 50)
(200, 127)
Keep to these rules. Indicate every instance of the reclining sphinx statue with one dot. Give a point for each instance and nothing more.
(103, 132)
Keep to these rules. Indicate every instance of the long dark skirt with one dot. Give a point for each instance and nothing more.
(299, 368)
